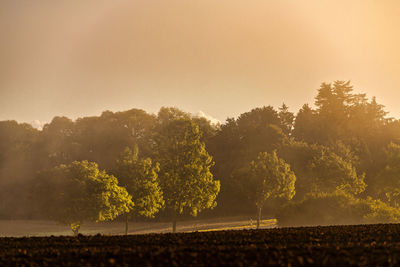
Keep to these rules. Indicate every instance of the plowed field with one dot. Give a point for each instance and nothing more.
(362, 245)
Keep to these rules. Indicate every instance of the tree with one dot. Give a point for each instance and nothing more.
(207, 129)
(140, 178)
(286, 119)
(102, 139)
(168, 114)
(226, 150)
(186, 181)
(386, 186)
(299, 156)
(318, 169)
(271, 177)
(19, 160)
(57, 142)
(259, 131)
(71, 194)
(305, 125)
(237, 143)
(330, 172)
(336, 208)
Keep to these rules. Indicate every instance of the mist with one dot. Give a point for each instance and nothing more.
(310, 87)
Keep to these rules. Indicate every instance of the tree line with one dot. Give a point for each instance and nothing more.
(344, 152)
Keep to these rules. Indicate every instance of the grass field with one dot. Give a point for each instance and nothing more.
(20, 228)
(360, 245)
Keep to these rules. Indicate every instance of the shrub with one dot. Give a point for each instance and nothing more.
(336, 208)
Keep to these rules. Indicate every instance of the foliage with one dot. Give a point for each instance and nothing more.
(74, 193)
(305, 125)
(185, 177)
(318, 169)
(140, 178)
(345, 141)
(330, 173)
(18, 151)
(102, 139)
(238, 142)
(271, 177)
(387, 184)
(286, 119)
(336, 208)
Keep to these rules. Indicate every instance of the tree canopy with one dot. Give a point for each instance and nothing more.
(343, 141)
(270, 177)
(78, 192)
(140, 178)
(186, 180)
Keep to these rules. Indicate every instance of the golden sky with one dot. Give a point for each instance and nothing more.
(225, 57)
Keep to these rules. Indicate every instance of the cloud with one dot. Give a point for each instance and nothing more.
(201, 114)
(38, 124)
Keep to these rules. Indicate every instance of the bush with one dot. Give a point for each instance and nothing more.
(336, 208)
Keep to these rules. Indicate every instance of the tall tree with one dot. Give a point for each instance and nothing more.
(140, 178)
(305, 126)
(271, 177)
(286, 119)
(237, 143)
(332, 103)
(186, 180)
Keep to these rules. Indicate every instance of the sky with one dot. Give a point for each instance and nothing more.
(212, 58)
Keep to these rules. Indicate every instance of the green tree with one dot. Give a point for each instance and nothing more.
(336, 208)
(271, 177)
(318, 169)
(386, 186)
(207, 129)
(330, 172)
(186, 181)
(74, 193)
(140, 178)
(237, 143)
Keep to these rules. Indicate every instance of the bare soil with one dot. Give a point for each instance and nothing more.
(357, 245)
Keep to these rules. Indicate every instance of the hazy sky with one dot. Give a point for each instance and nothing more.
(225, 57)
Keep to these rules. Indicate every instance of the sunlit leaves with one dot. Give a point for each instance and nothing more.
(78, 192)
(186, 180)
(271, 177)
(140, 178)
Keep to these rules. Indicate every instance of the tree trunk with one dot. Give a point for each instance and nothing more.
(174, 225)
(258, 217)
(174, 218)
(126, 224)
